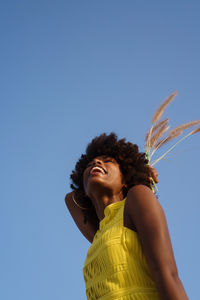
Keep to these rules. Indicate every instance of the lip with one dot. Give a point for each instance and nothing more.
(97, 169)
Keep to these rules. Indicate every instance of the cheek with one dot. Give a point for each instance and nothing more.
(118, 179)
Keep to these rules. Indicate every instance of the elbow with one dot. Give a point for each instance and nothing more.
(68, 198)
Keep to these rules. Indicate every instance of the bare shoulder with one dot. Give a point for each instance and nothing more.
(142, 207)
(141, 195)
(140, 189)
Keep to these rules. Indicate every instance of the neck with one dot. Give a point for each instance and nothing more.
(101, 201)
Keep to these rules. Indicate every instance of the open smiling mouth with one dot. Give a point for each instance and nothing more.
(96, 170)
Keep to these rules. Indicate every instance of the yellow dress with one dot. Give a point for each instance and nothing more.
(115, 267)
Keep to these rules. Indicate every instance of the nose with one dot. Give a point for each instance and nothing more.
(97, 161)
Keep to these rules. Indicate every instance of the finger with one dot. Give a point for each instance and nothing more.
(153, 178)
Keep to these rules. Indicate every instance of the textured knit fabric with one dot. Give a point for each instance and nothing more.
(115, 267)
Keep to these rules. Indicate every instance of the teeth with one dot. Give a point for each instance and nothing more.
(98, 168)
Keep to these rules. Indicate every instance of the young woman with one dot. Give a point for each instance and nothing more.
(131, 256)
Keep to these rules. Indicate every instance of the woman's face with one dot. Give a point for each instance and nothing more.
(103, 174)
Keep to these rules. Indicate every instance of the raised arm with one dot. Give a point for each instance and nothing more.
(146, 214)
(89, 229)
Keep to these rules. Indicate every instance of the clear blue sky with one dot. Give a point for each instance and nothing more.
(69, 71)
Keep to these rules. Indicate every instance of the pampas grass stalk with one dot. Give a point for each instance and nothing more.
(183, 138)
(164, 141)
(172, 134)
(155, 128)
(184, 126)
(154, 137)
(159, 112)
(158, 135)
(160, 128)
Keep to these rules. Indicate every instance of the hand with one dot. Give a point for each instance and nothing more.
(153, 174)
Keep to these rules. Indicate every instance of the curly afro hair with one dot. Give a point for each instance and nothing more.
(132, 163)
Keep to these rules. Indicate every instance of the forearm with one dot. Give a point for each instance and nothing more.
(170, 287)
(89, 229)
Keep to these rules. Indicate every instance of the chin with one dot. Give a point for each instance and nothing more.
(97, 183)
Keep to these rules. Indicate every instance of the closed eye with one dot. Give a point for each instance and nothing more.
(108, 160)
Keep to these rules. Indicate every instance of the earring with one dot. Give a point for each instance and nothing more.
(83, 208)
